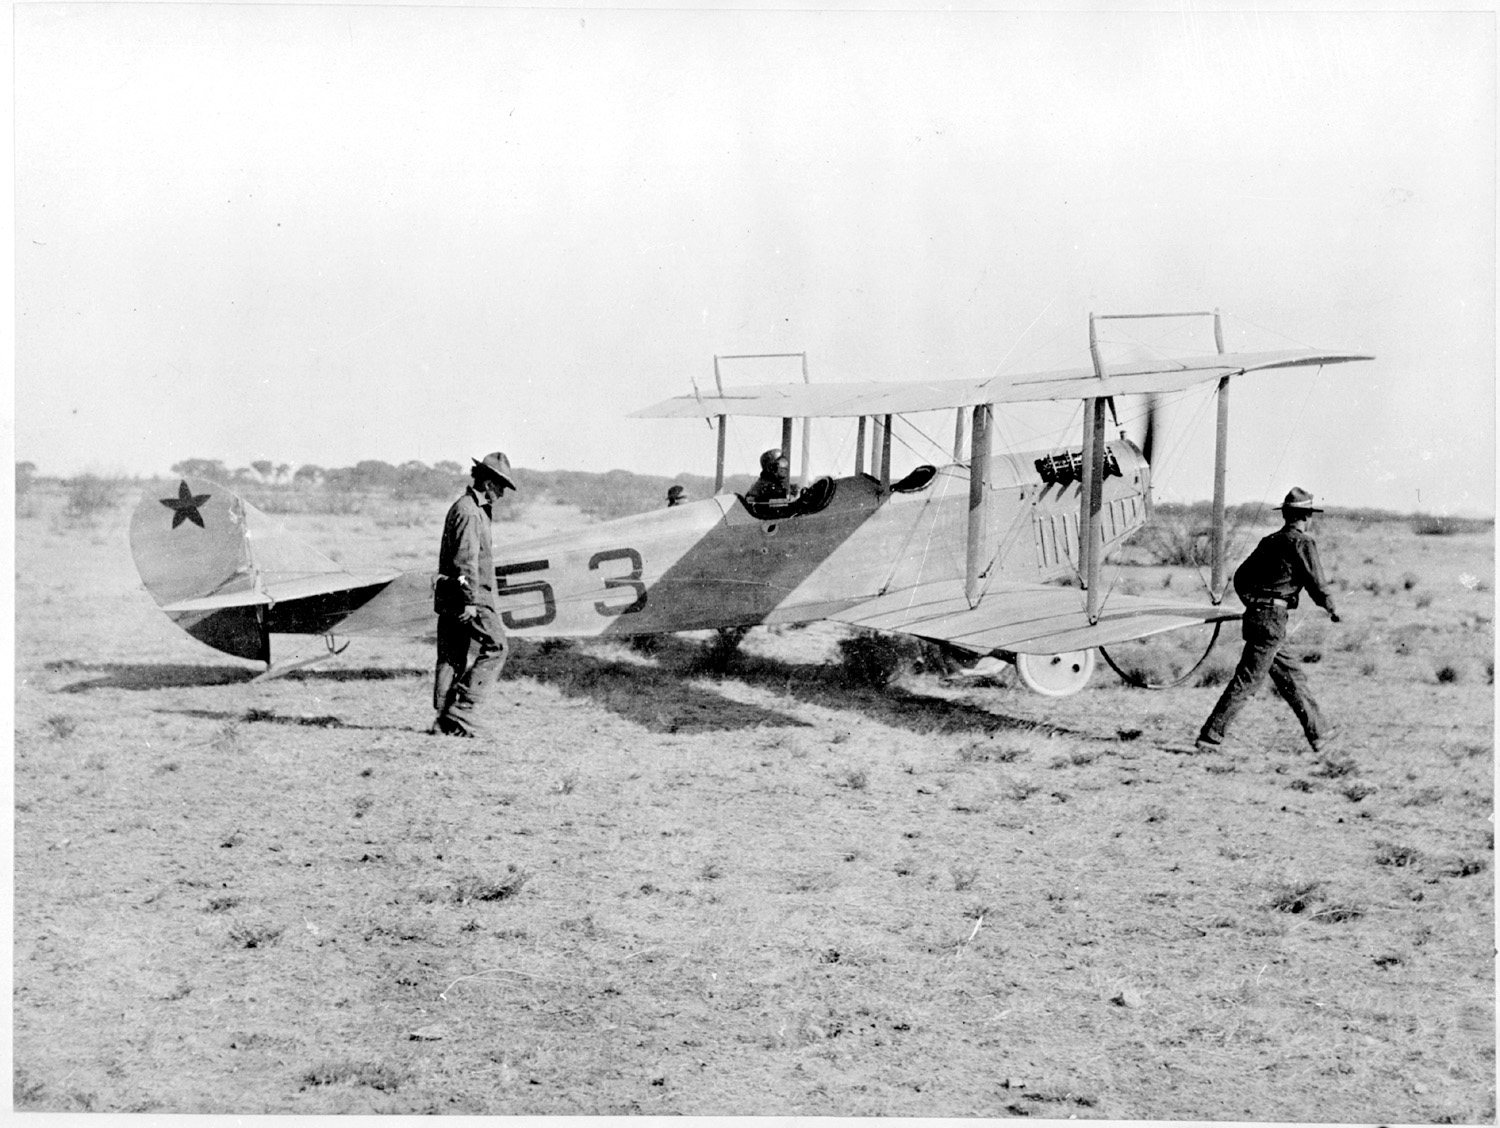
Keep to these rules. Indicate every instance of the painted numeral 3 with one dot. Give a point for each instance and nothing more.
(631, 581)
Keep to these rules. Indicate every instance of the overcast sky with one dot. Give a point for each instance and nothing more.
(328, 233)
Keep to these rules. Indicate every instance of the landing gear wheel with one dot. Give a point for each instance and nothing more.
(1055, 675)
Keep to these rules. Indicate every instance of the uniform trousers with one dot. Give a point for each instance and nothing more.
(1264, 627)
(460, 686)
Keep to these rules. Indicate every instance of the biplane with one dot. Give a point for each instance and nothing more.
(993, 554)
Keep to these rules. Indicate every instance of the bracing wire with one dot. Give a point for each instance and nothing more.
(1292, 431)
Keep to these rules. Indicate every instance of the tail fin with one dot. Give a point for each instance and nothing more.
(204, 554)
(193, 544)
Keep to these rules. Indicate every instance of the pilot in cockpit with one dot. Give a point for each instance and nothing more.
(774, 483)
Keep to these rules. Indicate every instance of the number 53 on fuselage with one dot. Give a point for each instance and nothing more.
(964, 553)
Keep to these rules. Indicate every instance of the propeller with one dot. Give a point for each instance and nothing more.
(1148, 440)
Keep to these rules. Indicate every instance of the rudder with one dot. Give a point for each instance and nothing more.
(192, 544)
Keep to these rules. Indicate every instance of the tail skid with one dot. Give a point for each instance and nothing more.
(287, 665)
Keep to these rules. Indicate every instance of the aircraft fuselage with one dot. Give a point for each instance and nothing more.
(712, 563)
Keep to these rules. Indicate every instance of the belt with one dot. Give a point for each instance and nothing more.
(1269, 601)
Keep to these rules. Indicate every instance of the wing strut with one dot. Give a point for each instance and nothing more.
(885, 452)
(1092, 501)
(719, 466)
(979, 471)
(1221, 461)
(806, 434)
(1091, 493)
(723, 427)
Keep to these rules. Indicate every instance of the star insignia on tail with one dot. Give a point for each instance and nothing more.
(185, 505)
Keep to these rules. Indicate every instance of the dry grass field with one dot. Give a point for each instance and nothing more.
(666, 888)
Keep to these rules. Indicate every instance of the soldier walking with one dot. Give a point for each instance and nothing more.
(464, 599)
(1268, 583)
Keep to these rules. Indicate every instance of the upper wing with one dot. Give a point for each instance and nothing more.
(904, 396)
(1024, 618)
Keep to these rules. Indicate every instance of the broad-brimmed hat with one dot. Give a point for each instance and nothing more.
(1300, 501)
(498, 467)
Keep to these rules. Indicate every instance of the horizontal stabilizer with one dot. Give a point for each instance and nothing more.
(284, 590)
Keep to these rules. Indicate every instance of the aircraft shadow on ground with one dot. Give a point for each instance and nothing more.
(656, 693)
(267, 716)
(655, 697)
(137, 676)
(891, 705)
(363, 673)
(145, 676)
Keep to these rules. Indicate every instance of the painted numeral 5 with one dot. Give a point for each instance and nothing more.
(632, 580)
(502, 588)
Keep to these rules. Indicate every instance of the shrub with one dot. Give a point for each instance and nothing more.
(873, 659)
(1332, 767)
(720, 652)
(373, 1074)
(473, 888)
(255, 936)
(1339, 912)
(25, 479)
(1294, 896)
(1175, 541)
(964, 876)
(1392, 854)
(61, 726)
(90, 495)
(1449, 674)
(210, 468)
(983, 751)
(1425, 525)
(1215, 673)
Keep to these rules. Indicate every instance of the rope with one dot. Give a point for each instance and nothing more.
(1141, 683)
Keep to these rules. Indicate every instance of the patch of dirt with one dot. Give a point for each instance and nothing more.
(659, 889)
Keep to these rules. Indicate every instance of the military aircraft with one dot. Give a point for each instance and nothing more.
(974, 554)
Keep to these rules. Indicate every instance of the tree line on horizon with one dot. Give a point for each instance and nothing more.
(277, 487)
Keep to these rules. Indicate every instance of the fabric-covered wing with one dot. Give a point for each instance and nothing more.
(1024, 618)
(901, 397)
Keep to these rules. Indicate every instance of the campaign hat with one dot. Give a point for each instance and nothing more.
(1300, 501)
(498, 467)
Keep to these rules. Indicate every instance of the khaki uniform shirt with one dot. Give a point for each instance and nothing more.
(466, 564)
(1280, 567)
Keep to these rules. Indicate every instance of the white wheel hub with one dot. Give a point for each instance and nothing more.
(1055, 675)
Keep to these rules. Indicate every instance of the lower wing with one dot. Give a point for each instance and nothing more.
(1024, 618)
